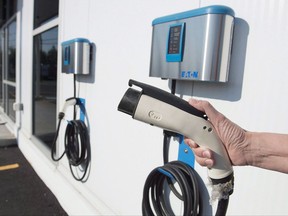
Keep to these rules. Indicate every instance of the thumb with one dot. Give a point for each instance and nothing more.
(197, 104)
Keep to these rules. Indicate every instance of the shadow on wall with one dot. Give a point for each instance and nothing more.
(91, 77)
(232, 90)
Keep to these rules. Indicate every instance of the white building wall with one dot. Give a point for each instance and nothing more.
(125, 151)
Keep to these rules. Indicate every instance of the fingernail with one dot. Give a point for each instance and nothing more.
(206, 154)
(190, 143)
(209, 163)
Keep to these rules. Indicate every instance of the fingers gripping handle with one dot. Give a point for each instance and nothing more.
(207, 138)
(168, 117)
(162, 109)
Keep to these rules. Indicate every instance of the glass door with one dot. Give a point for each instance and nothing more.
(8, 67)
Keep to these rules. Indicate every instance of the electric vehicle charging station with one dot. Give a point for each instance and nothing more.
(76, 61)
(193, 45)
(76, 56)
(196, 46)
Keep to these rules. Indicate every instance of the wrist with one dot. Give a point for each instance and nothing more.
(268, 151)
(257, 151)
(250, 147)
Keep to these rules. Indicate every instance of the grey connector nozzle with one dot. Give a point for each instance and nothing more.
(129, 102)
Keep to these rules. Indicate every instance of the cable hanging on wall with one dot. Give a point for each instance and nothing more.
(76, 141)
(75, 60)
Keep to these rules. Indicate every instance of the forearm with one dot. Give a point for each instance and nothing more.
(268, 151)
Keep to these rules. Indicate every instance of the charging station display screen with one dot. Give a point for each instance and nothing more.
(174, 39)
(175, 42)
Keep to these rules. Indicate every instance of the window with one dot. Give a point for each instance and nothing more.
(11, 51)
(8, 67)
(45, 43)
(8, 56)
(7, 10)
(45, 11)
(1, 70)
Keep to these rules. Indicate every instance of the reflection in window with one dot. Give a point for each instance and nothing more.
(44, 11)
(7, 10)
(1, 71)
(8, 68)
(11, 51)
(45, 81)
(11, 91)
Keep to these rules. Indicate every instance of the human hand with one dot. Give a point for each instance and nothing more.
(232, 136)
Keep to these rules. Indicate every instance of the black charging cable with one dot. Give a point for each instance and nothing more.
(76, 141)
(156, 188)
(161, 181)
(77, 146)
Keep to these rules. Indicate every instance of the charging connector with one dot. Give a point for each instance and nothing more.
(76, 141)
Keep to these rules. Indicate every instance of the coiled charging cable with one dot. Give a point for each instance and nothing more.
(76, 141)
(158, 181)
(187, 178)
(156, 188)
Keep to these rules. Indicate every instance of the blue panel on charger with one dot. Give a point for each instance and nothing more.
(185, 154)
(175, 42)
(82, 109)
(67, 55)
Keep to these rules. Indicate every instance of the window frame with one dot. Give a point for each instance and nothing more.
(53, 23)
(5, 105)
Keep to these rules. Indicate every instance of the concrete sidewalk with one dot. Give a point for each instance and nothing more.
(6, 137)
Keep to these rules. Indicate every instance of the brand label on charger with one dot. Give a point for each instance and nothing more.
(190, 74)
(155, 116)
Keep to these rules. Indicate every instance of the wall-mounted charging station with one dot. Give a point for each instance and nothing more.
(193, 45)
(76, 61)
(76, 56)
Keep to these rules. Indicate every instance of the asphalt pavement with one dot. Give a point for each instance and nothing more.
(22, 192)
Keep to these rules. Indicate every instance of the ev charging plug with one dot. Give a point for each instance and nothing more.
(165, 110)
(69, 102)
